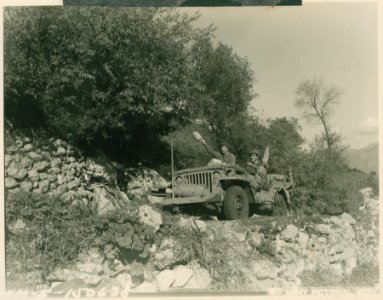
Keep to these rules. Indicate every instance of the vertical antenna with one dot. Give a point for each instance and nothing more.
(172, 163)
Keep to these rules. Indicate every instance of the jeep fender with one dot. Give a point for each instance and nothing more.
(228, 182)
(286, 194)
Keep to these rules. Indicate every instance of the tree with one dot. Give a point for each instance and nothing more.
(227, 81)
(116, 79)
(317, 101)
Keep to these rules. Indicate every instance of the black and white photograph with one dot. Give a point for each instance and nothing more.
(186, 150)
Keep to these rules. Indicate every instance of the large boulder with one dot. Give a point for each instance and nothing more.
(201, 278)
(183, 275)
(108, 199)
(165, 279)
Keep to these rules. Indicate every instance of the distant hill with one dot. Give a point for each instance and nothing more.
(365, 159)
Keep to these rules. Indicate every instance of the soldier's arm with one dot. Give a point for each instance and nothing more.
(212, 152)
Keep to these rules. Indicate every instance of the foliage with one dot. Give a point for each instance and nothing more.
(317, 101)
(281, 134)
(363, 275)
(320, 278)
(227, 80)
(96, 76)
(57, 231)
(121, 235)
(188, 153)
(324, 183)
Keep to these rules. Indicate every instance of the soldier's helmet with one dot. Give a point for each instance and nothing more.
(255, 151)
(225, 144)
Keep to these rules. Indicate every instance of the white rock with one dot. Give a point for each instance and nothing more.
(26, 162)
(201, 278)
(303, 239)
(26, 148)
(41, 166)
(337, 221)
(56, 162)
(19, 226)
(60, 151)
(183, 275)
(7, 160)
(145, 287)
(103, 200)
(17, 171)
(165, 279)
(348, 218)
(264, 269)
(124, 279)
(10, 183)
(185, 223)
(26, 186)
(289, 233)
(323, 229)
(34, 175)
(35, 156)
(149, 216)
(44, 186)
(201, 225)
(164, 258)
(154, 199)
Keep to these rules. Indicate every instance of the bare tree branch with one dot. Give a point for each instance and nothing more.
(317, 101)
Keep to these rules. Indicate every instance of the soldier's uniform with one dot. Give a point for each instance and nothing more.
(227, 158)
(258, 170)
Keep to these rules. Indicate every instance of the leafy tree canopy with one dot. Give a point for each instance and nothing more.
(103, 77)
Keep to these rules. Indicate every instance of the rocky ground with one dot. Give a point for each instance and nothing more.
(190, 252)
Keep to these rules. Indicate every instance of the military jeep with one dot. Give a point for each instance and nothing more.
(228, 188)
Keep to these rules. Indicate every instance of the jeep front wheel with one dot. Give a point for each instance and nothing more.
(235, 203)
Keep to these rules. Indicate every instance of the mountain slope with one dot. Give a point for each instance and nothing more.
(365, 159)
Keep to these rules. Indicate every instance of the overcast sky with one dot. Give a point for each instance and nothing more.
(335, 41)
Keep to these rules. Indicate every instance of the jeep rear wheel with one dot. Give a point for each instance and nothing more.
(235, 204)
(280, 206)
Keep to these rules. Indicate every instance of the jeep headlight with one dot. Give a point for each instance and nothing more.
(216, 176)
(179, 180)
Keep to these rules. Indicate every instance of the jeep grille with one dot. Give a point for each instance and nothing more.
(200, 178)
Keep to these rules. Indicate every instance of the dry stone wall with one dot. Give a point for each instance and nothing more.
(56, 168)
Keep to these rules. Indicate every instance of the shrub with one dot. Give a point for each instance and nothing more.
(57, 231)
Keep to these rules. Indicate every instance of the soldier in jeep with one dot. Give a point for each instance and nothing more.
(257, 168)
(225, 156)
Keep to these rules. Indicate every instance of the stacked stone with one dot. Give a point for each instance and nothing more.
(52, 168)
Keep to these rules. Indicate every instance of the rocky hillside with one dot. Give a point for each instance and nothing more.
(148, 249)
